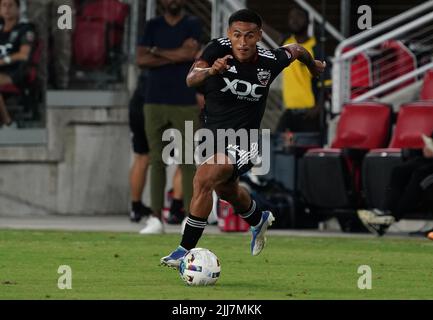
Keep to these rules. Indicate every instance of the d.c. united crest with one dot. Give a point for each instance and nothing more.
(263, 76)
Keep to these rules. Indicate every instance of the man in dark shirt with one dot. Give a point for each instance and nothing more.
(235, 75)
(16, 44)
(167, 49)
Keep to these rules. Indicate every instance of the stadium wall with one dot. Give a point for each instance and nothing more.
(83, 168)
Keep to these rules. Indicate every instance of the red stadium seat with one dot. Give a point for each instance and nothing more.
(398, 60)
(90, 47)
(98, 35)
(414, 119)
(427, 87)
(361, 73)
(362, 126)
(112, 12)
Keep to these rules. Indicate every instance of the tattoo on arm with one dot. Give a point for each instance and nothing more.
(295, 51)
(197, 75)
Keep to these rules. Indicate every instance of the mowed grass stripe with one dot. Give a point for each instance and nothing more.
(126, 266)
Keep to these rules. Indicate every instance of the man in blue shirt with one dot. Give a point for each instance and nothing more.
(168, 48)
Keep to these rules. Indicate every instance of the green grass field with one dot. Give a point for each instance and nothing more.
(125, 266)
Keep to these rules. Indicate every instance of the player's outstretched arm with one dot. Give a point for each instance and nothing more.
(201, 70)
(296, 51)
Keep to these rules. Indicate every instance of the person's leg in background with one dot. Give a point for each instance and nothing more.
(137, 181)
(62, 45)
(311, 120)
(409, 200)
(177, 212)
(156, 122)
(378, 220)
(285, 121)
(178, 119)
(285, 128)
(400, 177)
(5, 117)
(138, 171)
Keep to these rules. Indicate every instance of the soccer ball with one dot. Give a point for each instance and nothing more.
(200, 267)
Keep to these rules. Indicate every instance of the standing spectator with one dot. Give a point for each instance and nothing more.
(44, 14)
(299, 88)
(177, 212)
(168, 48)
(16, 44)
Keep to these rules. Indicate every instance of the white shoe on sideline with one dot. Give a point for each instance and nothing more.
(153, 226)
(376, 221)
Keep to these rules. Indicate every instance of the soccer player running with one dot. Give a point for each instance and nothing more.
(234, 75)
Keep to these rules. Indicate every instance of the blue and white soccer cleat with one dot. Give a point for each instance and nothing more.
(173, 259)
(258, 240)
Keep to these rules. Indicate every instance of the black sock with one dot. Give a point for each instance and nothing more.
(176, 207)
(136, 206)
(252, 216)
(193, 230)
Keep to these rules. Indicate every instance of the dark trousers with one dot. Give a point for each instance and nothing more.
(299, 120)
(404, 189)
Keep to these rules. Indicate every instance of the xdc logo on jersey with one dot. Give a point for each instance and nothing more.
(242, 88)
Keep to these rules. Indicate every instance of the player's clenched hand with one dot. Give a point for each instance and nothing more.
(319, 67)
(220, 65)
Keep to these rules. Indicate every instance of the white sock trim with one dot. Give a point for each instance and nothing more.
(196, 224)
(251, 211)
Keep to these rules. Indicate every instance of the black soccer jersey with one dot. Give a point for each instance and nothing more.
(236, 98)
(10, 42)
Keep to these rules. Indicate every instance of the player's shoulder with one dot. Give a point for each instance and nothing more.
(219, 45)
(216, 48)
(267, 54)
(222, 42)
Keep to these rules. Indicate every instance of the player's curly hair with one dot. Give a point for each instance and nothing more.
(246, 15)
